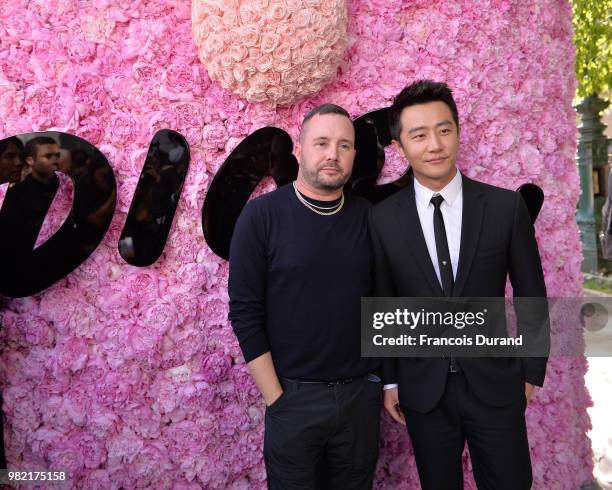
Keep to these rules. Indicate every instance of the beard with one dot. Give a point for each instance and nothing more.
(319, 180)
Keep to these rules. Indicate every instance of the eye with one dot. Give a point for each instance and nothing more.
(418, 137)
(445, 131)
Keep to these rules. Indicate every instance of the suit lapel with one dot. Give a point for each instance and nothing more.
(408, 220)
(471, 221)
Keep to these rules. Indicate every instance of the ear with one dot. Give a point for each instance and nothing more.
(29, 161)
(398, 148)
(297, 151)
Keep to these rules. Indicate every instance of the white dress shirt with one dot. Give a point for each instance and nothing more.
(452, 211)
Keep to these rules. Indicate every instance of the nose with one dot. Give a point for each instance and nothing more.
(332, 153)
(435, 143)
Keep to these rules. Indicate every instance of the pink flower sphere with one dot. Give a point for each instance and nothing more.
(270, 51)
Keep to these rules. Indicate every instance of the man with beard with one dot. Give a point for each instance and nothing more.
(300, 261)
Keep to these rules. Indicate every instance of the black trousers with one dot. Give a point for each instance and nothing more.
(496, 438)
(320, 436)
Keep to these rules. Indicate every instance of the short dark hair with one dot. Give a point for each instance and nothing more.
(31, 146)
(420, 92)
(7, 141)
(322, 110)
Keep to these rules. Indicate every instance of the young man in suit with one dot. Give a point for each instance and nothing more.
(446, 235)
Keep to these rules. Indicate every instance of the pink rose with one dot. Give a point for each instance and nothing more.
(302, 18)
(91, 130)
(215, 367)
(239, 74)
(181, 82)
(277, 12)
(145, 73)
(150, 463)
(233, 418)
(264, 63)
(49, 385)
(11, 98)
(80, 51)
(165, 395)
(123, 447)
(95, 480)
(101, 423)
(275, 93)
(226, 60)
(35, 362)
(143, 421)
(215, 309)
(92, 450)
(160, 317)
(13, 370)
(310, 51)
(72, 354)
(20, 25)
(76, 404)
(248, 14)
(230, 18)
(124, 127)
(269, 42)
(39, 104)
(68, 457)
(249, 36)
(214, 136)
(89, 94)
(112, 391)
(238, 52)
(182, 439)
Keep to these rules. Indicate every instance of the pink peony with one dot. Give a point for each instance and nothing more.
(89, 94)
(113, 391)
(72, 354)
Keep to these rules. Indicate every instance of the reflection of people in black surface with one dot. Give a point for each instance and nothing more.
(268, 151)
(11, 163)
(26, 203)
(155, 200)
(94, 195)
(75, 163)
(42, 155)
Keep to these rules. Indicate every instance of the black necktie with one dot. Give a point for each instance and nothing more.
(444, 260)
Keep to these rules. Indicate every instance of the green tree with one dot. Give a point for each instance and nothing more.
(592, 20)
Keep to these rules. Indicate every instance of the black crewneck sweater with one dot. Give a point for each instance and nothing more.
(295, 284)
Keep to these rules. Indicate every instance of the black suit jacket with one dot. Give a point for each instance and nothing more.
(497, 240)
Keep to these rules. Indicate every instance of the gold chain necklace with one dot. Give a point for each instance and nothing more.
(313, 207)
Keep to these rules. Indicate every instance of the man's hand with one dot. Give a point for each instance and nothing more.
(271, 399)
(264, 374)
(528, 391)
(391, 402)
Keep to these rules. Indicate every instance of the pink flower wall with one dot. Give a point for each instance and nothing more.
(129, 377)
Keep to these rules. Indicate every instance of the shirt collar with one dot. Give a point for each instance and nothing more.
(450, 192)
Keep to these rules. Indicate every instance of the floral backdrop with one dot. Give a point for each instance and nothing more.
(129, 377)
